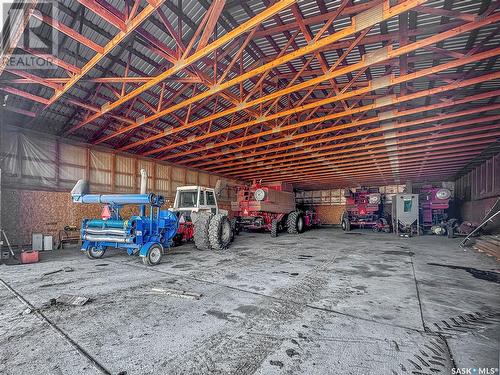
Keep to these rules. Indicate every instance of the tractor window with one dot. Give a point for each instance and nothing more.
(202, 198)
(187, 198)
(210, 198)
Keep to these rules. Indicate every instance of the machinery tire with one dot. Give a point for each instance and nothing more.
(234, 224)
(236, 227)
(346, 225)
(274, 228)
(201, 228)
(220, 232)
(343, 221)
(154, 255)
(295, 222)
(301, 223)
(93, 253)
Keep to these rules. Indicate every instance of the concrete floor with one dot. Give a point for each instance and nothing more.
(324, 302)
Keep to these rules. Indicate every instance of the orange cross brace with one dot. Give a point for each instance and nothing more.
(386, 13)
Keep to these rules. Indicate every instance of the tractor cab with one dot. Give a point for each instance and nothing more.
(189, 199)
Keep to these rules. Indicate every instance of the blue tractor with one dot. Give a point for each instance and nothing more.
(148, 234)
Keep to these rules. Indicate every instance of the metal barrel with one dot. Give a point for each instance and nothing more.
(106, 231)
(98, 238)
(116, 198)
(100, 223)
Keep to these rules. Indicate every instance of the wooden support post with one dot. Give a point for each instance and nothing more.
(113, 172)
(135, 175)
(87, 164)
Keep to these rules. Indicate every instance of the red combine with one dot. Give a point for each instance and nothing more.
(271, 207)
(434, 204)
(363, 209)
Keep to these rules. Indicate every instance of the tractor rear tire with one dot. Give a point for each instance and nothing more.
(295, 223)
(274, 228)
(154, 255)
(220, 232)
(201, 230)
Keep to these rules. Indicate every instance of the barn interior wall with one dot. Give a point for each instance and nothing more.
(478, 190)
(330, 204)
(38, 173)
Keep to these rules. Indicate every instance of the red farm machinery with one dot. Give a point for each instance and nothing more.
(434, 205)
(364, 210)
(271, 207)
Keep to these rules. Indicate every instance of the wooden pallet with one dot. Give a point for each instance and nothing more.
(489, 245)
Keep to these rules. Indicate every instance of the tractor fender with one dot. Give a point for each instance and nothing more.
(145, 248)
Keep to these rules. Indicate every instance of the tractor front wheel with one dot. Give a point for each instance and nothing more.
(154, 255)
(95, 253)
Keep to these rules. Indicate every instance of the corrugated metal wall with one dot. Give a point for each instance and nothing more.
(335, 197)
(330, 204)
(38, 172)
(33, 162)
(479, 190)
(482, 182)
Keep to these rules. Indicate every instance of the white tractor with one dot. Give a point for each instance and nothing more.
(201, 219)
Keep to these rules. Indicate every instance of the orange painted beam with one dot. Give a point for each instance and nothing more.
(364, 161)
(59, 26)
(341, 157)
(215, 12)
(376, 105)
(376, 147)
(366, 174)
(24, 94)
(356, 26)
(102, 80)
(186, 62)
(445, 170)
(250, 158)
(131, 25)
(17, 28)
(314, 81)
(104, 13)
(365, 177)
(382, 166)
(54, 60)
(34, 78)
